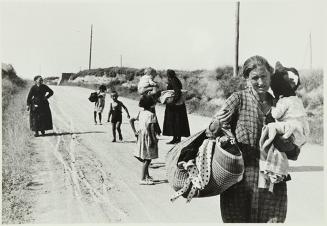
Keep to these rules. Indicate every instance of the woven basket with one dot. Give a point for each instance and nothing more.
(226, 169)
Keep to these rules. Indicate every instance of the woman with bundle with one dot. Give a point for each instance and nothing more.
(175, 121)
(245, 112)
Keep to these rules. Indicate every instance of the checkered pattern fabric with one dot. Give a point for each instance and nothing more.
(245, 202)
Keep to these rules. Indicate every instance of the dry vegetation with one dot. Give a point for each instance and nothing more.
(16, 150)
(207, 90)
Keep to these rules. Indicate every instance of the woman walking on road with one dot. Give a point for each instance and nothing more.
(38, 105)
(175, 122)
(245, 112)
(99, 105)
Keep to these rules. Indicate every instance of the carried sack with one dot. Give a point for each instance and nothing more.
(227, 165)
(93, 97)
(167, 97)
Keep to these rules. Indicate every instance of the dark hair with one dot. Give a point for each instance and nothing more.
(114, 93)
(171, 73)
(36, 77)
(146, 102)
(280, 86)
(254, 62)
(102, 88)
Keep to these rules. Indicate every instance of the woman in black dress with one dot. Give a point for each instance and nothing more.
(37, 103)
(175, 121)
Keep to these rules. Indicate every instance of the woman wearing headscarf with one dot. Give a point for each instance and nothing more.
(245, 112)
(175, 121)
(37, 103)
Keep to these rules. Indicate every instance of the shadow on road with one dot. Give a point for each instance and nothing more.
(160, 181)
(306, 168)
(69, 133)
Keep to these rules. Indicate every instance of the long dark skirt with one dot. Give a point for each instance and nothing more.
(176, 121)
(41, 118)
(246, 203)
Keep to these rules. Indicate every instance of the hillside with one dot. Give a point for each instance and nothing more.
(207, 90)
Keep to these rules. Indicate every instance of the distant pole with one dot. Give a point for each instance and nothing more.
(121, 61)
(237, 37)
(90, 47)
(310, 43)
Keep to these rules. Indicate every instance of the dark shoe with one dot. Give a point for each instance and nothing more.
(36, 134)
(120, 137)
(173, 141)
(43, 132)
(113, 140)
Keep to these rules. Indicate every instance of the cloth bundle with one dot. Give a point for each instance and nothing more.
(273, 164)
(218, 165)
(167, 97)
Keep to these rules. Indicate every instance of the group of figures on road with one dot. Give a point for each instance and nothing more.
(267, 110)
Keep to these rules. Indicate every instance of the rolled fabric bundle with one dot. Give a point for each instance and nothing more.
(167, 97)
(227, 165)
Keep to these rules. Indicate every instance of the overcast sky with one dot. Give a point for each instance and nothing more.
(52, 37)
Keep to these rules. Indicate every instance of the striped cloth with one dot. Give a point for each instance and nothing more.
(273, 164)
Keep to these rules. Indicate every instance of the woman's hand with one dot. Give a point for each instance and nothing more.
(27, 108)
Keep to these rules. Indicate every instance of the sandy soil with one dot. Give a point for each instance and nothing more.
(81, 177)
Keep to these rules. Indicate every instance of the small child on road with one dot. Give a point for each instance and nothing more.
(147, 141)
(115, 113)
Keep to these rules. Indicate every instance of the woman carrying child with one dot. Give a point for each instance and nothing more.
(115, 113)
(147, 141)
(99, 105)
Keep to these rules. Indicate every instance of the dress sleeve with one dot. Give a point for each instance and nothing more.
(49, 91)
(280, 109)
(30, 95)
(224, 116)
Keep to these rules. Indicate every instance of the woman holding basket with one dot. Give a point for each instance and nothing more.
(245, 113)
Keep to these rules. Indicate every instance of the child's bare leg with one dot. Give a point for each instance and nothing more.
(119, 130)
(145, 169)
(113, 127)
(95, 116)
(100, 117)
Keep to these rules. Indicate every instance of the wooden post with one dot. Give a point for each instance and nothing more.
(121, 61)
(90, 57)
(237, 37)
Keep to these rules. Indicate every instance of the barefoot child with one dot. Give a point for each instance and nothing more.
(116, 115)
(147, 141)
(99, 105)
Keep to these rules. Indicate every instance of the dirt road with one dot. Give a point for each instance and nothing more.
(82, 177)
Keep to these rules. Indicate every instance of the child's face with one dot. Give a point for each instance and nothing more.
(114, 97)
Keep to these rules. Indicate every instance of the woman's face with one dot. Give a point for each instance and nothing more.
(259, 79)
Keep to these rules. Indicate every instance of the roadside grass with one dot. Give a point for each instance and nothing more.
(16, 154)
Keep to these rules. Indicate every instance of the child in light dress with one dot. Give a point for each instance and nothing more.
(147, 141)
(99, 105)
(146, 84)
(290, 123)
(289, 114)
(115, 113)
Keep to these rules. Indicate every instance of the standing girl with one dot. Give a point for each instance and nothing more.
(99, 105)
(116, 115)
(147, 141)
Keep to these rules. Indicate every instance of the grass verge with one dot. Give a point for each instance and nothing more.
(16, 155)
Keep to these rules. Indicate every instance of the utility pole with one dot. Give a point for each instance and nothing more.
(90, 57)
(121, 61)
(310, 43)
(237, 18)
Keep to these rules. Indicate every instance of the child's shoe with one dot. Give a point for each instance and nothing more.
(146, 182)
